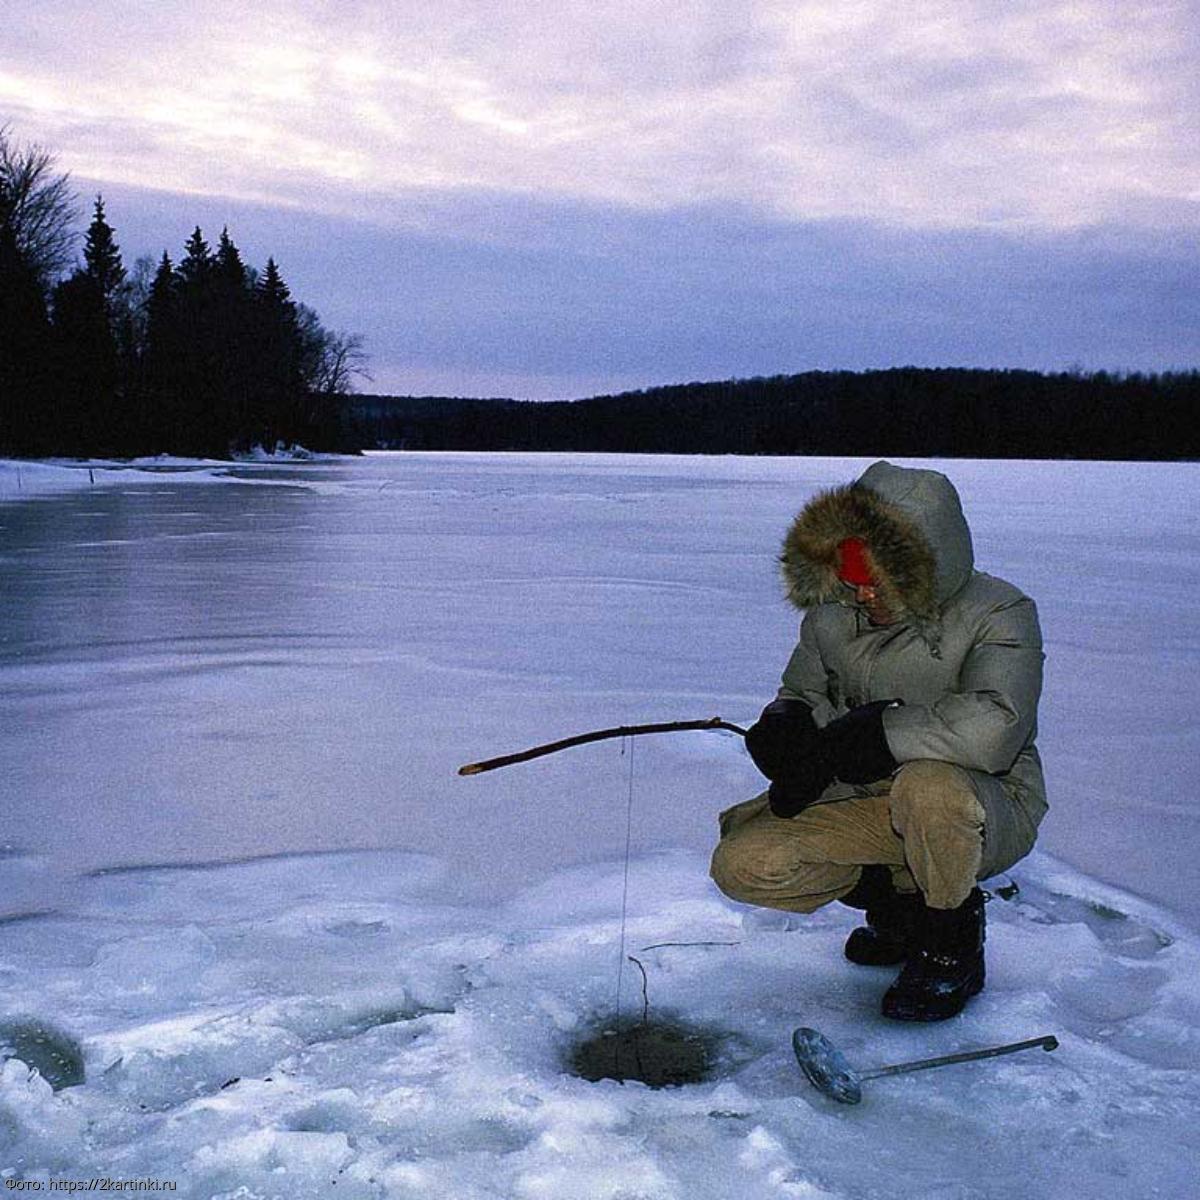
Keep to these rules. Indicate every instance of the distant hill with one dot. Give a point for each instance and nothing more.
(909, 411)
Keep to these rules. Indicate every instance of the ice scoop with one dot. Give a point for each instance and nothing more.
(829, 1072)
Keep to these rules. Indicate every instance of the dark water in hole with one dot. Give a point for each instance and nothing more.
(659, 1053)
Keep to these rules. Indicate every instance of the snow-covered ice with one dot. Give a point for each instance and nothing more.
(191, 674)
(317, 1025)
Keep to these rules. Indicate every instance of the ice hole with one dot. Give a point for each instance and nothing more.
(55, 1054)
(659, 1053)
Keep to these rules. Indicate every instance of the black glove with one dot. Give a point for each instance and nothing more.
(794, 793)
(783, 738)
(855, 745)
(786, 747)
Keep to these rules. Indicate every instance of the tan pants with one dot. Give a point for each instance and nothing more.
(927, 824)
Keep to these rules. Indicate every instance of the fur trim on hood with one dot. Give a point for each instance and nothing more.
(918, 542)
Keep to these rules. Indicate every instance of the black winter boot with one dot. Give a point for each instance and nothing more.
(892, 917)
(946, 967)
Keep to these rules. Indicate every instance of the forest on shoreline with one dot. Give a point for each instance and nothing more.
(207, 356)
(909, 411)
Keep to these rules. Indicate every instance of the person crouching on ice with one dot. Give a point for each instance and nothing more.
(900, 748)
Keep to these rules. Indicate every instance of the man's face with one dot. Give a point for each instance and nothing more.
(868, 597)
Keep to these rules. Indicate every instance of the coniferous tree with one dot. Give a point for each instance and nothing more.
(233, 330)
(228, 266)
(161, 308)
(111, 383)
(272, 292)
(102, 255)
(86, 369)
(197, 266)
(202, 423)
(279, 400)
(24, 354)
(162, 377)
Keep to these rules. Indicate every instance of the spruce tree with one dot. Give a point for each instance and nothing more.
(115, 420)
(273, 294)
(230, 270)
(196, 267)
(278, 403)
(160, 304)
(234, 344)
(87, 414)
(24, 353)
(202, 423)
(102, 255)
(161, 415)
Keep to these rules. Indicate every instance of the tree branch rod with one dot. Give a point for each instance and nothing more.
(596, 735)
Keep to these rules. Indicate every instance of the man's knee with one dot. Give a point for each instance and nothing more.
(724, 872)
(742, 870)
(933, 793)
(752, 870)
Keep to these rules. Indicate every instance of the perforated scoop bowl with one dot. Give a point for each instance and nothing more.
(826, 1066)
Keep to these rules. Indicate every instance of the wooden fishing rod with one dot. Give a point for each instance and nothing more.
(596, 735)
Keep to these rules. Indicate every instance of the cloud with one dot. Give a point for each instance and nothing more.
(1042, 114)
(555, 198)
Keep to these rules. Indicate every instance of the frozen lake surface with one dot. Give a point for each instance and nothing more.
(195, 670)
(280, 660)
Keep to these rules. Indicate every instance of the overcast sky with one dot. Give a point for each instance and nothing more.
(549, 199)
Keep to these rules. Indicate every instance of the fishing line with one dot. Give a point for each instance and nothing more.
(625, 886)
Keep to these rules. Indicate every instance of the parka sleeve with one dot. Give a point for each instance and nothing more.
(805, 677)
(992, 715)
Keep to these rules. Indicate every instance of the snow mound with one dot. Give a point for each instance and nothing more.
(280, 452)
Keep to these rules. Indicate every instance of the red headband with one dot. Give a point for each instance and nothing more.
(852, 563)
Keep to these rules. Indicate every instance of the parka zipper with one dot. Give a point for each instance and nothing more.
(878, 649)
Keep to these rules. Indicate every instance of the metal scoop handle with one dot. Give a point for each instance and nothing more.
(1047, 1043)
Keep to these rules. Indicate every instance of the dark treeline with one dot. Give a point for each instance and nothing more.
(910, 411)
(206, 356)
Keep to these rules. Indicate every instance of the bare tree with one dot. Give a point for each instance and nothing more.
(329, 361)
(37, 207)
(133, 301)
(343, 359)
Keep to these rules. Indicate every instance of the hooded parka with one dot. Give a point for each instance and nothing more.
(964, 653)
